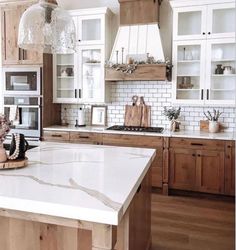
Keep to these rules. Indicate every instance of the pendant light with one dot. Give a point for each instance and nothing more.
(46, 28)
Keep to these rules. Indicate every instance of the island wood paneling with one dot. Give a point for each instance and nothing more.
(23, 231)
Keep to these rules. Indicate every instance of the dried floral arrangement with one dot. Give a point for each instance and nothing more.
(130, 68)
(172, 113)
(4, 127)
(213, 117)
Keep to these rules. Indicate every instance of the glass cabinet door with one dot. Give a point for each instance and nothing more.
(220, 75)
(91, 65)
(188, 74)
(221, 20)
(64, 79)
(189, 23)
(91, 29)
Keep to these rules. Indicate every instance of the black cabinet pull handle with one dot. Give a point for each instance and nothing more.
(196, 144)
(56, 135)
(207, 94)
(83, 137)
(80, 95)
(193, 155)
(75, 93)
(202, 94)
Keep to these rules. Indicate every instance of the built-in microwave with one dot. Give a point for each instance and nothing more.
(22, 81)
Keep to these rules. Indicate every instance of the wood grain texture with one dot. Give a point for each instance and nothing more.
(86, 138)
(230, 168)
(56, 136)
(142, 73)
(181, 223)
(138, 12)
(13, 164)
(146, 116)
(133, 115)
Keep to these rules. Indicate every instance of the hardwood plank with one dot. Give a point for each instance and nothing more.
(192, 224)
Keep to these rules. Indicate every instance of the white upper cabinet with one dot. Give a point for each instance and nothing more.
(189, 23)
(204, 52)
(205, 21)
(80, 77)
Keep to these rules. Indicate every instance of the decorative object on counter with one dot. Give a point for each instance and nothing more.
(46, 28)
(4, 130)
(172, 114)
(219, 70)
(214, 125)
(138, 114)
(98, 115)
(227, 70)
(18, 147)
(80, 122)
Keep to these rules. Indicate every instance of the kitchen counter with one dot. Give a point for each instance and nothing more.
(166, 133)
(82, 182)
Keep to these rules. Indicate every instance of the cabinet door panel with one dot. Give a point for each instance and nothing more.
(230, 168)
(182, 169)
(10, 22)
(210, 171)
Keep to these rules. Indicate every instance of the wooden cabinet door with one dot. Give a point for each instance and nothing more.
(182, 165)
(11, 53)
(10, 23)
(210, 171)
(230, 168)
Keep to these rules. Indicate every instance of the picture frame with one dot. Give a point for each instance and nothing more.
(98, 115)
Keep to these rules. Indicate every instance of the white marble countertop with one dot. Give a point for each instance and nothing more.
(82, 182)
(166, 133)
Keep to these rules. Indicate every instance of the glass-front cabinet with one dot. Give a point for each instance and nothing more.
(80, 77)
(188, 58)
(91, 63)
(220, 71)
(204, 21)
(65, 82)
(204, 53)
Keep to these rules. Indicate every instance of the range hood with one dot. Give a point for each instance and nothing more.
(138, 37)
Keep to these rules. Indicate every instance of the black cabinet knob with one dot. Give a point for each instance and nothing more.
(203, 33)
(209, 33)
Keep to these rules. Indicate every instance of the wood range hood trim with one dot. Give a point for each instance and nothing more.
(138, 33)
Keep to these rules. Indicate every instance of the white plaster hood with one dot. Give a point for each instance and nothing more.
(138, 39)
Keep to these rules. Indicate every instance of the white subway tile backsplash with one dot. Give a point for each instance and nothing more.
(157, 95)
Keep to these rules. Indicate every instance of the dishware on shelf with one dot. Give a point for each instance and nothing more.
(188, 55)
(186, 83)
(64, 73)
(219, 70)
(69, 71)
(228, 70)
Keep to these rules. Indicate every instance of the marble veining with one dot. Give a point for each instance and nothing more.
(83, 182)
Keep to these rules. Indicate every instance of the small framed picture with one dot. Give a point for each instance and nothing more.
(99, 115)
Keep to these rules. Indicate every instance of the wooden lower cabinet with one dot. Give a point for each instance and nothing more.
(210, 171)
(182, 169)
(202, 165)
(142, 142)
(230, 168)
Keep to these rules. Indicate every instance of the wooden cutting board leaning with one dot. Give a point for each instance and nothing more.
(138, 114)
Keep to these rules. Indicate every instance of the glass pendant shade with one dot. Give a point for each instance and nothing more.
(46, 28)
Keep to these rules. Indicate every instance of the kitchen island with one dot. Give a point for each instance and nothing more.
(77, 197)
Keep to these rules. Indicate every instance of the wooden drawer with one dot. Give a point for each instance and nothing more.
(86, 138)
(197, 144)
(56, 136)
(133, 141)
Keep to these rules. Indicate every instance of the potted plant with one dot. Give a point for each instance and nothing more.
(4, 129)
(172, 114)
(213, 118)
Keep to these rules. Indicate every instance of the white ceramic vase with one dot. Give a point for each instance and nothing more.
(214, 126)
(3, 154)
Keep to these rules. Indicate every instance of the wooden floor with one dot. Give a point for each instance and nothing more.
(182, 223)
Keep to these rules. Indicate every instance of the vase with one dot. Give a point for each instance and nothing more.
(219, 70)
(214, 126)
(3, 154)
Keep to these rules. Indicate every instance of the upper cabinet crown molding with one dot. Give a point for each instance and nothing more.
(182, 3)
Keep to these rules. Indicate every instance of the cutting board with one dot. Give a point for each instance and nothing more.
(13, 164)
(138, 115)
